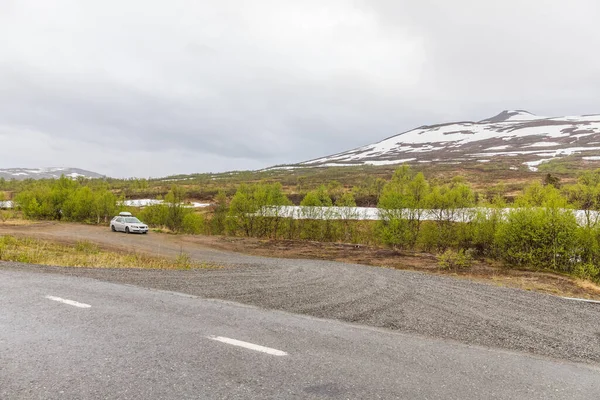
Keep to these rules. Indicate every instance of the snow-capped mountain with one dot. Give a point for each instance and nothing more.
(527, 138)
(45, 173)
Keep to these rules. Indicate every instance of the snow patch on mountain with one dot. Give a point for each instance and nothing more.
(512, 133)
(46, 173)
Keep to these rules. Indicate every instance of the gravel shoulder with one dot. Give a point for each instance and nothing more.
(407, 301)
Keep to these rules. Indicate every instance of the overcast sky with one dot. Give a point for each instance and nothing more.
(152, 88)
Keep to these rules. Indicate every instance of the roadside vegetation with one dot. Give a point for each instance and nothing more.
(85, 254)
(534, 228)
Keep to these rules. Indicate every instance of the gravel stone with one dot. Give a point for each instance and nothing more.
(412, 302)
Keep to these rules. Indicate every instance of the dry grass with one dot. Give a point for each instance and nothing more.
(86, 254)
(588, 286)
(12, 218)
(17, 222)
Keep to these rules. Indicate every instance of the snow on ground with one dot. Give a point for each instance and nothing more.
(376, 214)
(513, 153)
(495, 148)
(283, 168)
(141, 202)
(566, 152)
(389, 162)
(592, 158)
(470, 132)
(553, 131)
(534, 164)
(580, 135)
(544, 144)
(199, 205)
(579, 118)
(177, 179)
(150, 202)
(337, 165)
(74, 175)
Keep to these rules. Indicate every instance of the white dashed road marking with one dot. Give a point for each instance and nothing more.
(69, 302)
(250, 346)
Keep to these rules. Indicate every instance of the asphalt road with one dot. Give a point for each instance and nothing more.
(76, 338)
(404, 301)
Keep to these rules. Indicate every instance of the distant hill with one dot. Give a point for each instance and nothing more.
(519, 136)
(45, 173)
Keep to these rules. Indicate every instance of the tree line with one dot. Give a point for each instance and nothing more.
(538, 230)
(67, 199)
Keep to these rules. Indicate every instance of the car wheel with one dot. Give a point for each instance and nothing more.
(112, 228)
(126, 229)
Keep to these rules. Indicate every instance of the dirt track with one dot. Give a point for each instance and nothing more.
(412, 302)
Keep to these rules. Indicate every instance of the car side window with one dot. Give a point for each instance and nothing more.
(119, 220)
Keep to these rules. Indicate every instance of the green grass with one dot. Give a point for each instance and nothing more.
(86, 254)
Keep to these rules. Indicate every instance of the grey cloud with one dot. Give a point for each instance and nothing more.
(205, 86)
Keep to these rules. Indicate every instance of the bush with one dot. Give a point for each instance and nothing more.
(73, 200)
(193, 224)
(219, 218)
(485, 226)
(539, 237)
(452, 260)
(394, 232)
(587, 271)
(429, 237)
(155, 215)
(250, 212)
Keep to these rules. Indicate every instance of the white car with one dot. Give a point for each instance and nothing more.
(125, 222)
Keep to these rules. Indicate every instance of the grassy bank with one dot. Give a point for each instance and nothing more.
(86, 254)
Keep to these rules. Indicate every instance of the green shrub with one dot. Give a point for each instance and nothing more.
(429, 237)
(587, 271)
(401, 206)
(193, 224)
(455, 260)
(218, 222)
(64, 197)
(250, 212)
(393, 232)
(539, 237)
(155, 215)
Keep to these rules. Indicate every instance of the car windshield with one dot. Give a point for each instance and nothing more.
(132, 220)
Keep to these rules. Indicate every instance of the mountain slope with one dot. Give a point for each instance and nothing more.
(45, 173)
(527, 138)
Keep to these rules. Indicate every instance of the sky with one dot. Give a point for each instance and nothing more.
(153, 88)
